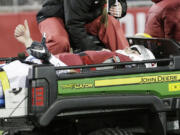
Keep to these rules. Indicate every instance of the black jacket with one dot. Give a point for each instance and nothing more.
(77, 13)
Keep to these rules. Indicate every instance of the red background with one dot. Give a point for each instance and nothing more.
(10, 47)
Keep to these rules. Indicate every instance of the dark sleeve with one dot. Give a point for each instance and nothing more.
(124, 7)
(50, 8)
(76, 16)
(123, 4)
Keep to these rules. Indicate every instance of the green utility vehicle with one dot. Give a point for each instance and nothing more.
(119, 101)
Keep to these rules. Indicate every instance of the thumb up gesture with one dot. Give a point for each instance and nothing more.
(22, 34)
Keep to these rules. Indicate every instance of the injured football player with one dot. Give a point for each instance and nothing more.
(38, 50)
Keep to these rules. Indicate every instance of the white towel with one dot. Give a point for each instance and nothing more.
(17, 73)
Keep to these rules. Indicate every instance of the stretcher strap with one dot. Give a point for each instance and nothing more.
(86, 60)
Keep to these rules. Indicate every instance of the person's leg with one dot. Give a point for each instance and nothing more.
(57, 39)
(112, 35)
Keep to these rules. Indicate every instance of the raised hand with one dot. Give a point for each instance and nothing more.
(22, 34)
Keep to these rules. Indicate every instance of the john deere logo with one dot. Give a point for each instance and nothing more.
(138, 80)
(164, 78)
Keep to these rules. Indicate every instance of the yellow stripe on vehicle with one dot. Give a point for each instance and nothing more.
(4, 81)
(138, 80)
(174, 87)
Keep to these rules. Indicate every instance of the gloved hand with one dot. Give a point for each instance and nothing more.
(116, 10)
(39, 51)
(22, 34)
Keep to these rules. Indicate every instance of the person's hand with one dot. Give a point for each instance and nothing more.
(116, 10)
(39, 51)
(22, 34)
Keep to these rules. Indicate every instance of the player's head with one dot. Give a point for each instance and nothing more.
(144, 54)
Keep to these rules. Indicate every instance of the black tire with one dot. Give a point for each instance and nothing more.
(111, 131)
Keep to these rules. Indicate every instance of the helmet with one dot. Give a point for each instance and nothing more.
(145, 54)
(128, 52)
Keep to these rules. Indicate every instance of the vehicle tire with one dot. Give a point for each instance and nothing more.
(111, 131)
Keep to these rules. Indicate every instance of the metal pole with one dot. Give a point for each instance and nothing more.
(15, 6)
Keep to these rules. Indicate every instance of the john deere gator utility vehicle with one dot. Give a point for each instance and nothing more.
(113, 101)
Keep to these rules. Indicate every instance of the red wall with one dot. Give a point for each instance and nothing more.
(10, 47)
(134, 21)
